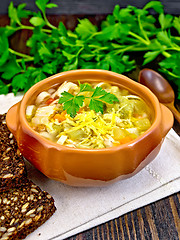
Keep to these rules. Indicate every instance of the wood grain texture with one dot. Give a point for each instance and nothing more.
(90, 6)
(157, 221)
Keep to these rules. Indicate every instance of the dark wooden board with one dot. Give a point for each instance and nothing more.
(157, 221)
(91, 6)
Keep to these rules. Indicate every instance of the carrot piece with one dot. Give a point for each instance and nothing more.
(60, 116)
(126, 139)
(81, 110)
(49, 101)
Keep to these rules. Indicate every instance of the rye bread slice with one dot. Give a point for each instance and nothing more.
(23, 210)
(12, 166)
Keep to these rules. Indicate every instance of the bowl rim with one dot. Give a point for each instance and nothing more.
(153, 99)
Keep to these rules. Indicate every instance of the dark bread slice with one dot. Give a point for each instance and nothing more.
(23, 210)
(12, 166)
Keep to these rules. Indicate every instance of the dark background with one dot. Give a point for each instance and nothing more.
(71, 7)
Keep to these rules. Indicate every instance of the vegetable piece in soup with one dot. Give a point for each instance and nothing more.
(104, 115)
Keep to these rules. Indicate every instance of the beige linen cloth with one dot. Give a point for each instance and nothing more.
(79, 209)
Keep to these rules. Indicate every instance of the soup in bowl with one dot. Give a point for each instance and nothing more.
(109, 116)
(89, 127)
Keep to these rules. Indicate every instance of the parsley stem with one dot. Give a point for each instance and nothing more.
(129, 48)
(25, 27)
(132, 48)
(80, 50)
(166, 54)
(176, 48)
(139, 38)
(20, 54)
(142, 30)
(47, 22)
(93, 35)
(170, 73)
(26, 60)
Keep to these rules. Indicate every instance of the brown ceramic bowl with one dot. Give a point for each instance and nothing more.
(82, 167)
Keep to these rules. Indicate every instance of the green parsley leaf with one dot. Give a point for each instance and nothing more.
(104, 96)
(85, 28)
(62, 29)
(109, 98)
(12, 12)
(150, 56)
(96, 105)
(71, 65)
(71, 103)
(22, 12)
(51, 5)
(170, 67)
(50, 68)
(69, 56)
(165, 20)
(13, 65)
(164, 38)
(176, 23)
(44, 51)
(99, 98)
(4, 53)
(65, 96)
(156, 5)
(19, 82)
(41, 4)
(3, 88)
(37, 21)
(98, 92)
(85, 87)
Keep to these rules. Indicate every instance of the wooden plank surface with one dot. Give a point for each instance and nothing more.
(156, 221)
(91, 6)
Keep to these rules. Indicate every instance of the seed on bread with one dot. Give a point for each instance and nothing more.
(24, 206)
(20, 223)
(12, 166)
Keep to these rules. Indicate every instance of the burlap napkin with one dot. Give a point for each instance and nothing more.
(79, 209)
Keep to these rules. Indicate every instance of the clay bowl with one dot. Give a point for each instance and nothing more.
(82, 167)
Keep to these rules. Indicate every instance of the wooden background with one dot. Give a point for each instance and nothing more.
(90, 6)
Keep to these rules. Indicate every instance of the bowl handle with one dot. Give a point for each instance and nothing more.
(12, 118)
(167, 119)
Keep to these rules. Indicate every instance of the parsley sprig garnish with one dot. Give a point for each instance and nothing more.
(99, 97)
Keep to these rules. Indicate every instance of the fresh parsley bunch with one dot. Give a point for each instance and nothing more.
(126, 33)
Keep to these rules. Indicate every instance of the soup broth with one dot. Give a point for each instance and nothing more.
(120, 122)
